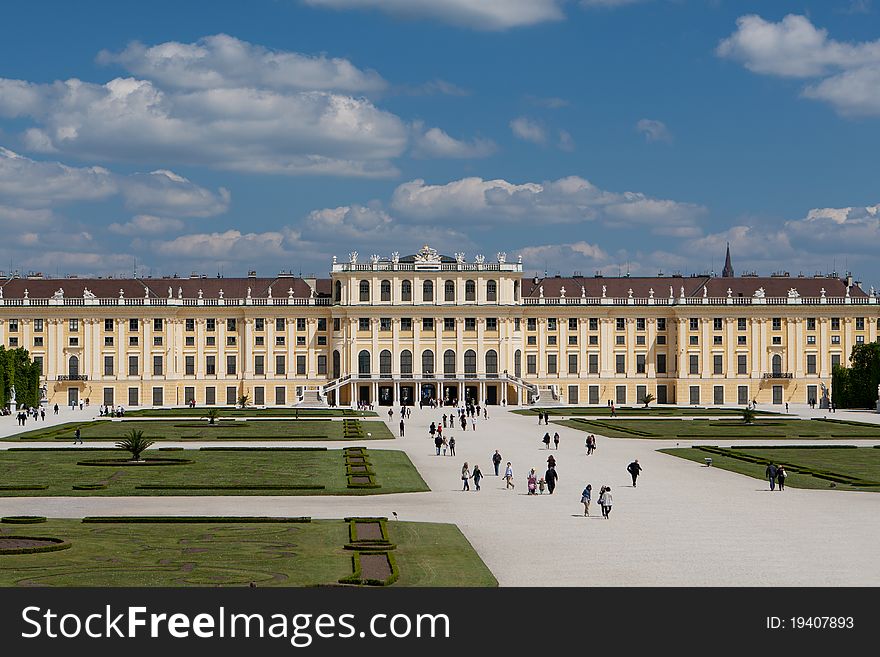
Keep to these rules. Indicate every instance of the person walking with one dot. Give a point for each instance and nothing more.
(508, 475)
(781, 474)
(550, 477)
(390, 414)
(42, 413)
(444, 419)
(606, 505)
(546, 440)
(56, 409)
(476, 475)
(77, 437)
(401, 427)
(451, 445)
(532, 482)
(556, 440)
(465, 477)
(438, 443)
(634, 470)
(474, 423)
(585, 498)
(432, 429)
(445, 444)
(551, 461)
(770, 473)
(496, 461)
(463, 422)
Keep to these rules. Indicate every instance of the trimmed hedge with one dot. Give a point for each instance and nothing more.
(23, 520)
(194, 519)
(611, 427)
(55, 545)
(30, 487)
(357, 575)
(135, 464)
(89, 486)
(230, 487)
(61, 449)
(353, 535)
(171, 449)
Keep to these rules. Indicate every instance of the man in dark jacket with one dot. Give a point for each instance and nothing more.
(496, 461)
(770, 473)
(634, 470)
(550, 477)
(438, 443)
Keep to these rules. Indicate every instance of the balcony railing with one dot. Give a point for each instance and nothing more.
(778, 375)
(73, 377)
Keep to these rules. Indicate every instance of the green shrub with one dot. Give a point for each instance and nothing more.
(194, 519)
(55, 545)
(23, 520)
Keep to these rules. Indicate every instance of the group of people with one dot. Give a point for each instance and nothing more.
(605, 500)
(546, 440)
(776, 474)
(24, 414)
(109, 411)
(590, 444)
(543, 417)
(467, 475)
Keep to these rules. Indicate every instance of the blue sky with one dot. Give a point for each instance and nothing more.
(600, 135)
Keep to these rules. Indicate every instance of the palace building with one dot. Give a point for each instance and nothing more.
(395, 330)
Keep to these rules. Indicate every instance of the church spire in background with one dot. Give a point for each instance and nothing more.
(727, 272)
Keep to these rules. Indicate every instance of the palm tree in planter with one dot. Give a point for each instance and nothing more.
(748, 415)
(648, 399)
(244, 401)
(212, 415)
(135, 443)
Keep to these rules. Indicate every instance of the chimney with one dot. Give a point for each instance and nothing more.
(252, 274)
(849, 279)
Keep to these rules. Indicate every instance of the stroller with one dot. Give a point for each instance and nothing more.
(532, 485)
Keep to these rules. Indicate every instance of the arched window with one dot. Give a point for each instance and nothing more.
(385, 363)
(73, 366)
(516, 290)
(364, 362)
(428, 291)
(365, 290)
(491, 291)
(470, 291)
(777, 364)
(406, 362)
(427, 362)
(406, 291)
(337, 365)
(517, 363)
(470, 362)
(449, 291)
(385, 290)
(337, 292)
(491, 362)
(449, 362)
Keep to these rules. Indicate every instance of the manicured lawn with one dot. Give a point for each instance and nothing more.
(183, 429)
(59, 471)
(232, 411)
(725, 429)
(860, 463)
(233, 554)
(659, 411)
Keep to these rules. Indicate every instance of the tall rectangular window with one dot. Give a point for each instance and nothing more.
(594, 323)
(811, 363)
(211, 365)
(259, 324)
(158, 396)
(231, 396)
(694, 394)
(73, 325)
(717, 324)
(133, 397)
(280, 365)
(38, 326)
(717, 364)
(641, 393)
(301, 365)
(695, 323)
(259, 396)
(620, 395)
(189, 325)
(593, 394)
(280, 395)
(108, 365)
(230, 365)
(108, 397)
(279, 324)
(572, 324)
(694, 361)
(157, 365)
(230, 324)
(593, 363)
(190, 366)
(741, 324)
(742, 394)
(259, 365)
(133, 325)
(661, 363)
(551, 363)
(189, 394)
(108, 324)
(640, 363)
(531, 364)
(132, 365)
(210, 395)
(741, 364)
(620, 363)
(718, 395)
(572, 363)
(157, 323)
(322, 364)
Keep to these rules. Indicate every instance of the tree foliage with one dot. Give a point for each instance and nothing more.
(135, 443)
(856, 386)
(17, 369)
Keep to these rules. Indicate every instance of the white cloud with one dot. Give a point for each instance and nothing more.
(566, 142)
(146, 224)
(795, 48)
(345, 222)
(14, 216)
(436, 143)
(222, 61)
(436, 87)
(240, 129)
(30, 183)
(654, 130)
(845, 230)
(567, 200)
(578, 256)
(476, 14)
(230, 245)
(528, 130)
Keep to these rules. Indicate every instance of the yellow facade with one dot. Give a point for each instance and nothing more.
(392, 331)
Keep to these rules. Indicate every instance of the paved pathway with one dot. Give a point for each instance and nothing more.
(685, 524)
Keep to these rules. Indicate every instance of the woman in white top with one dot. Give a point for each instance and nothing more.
(508, 475)
(605, 501)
